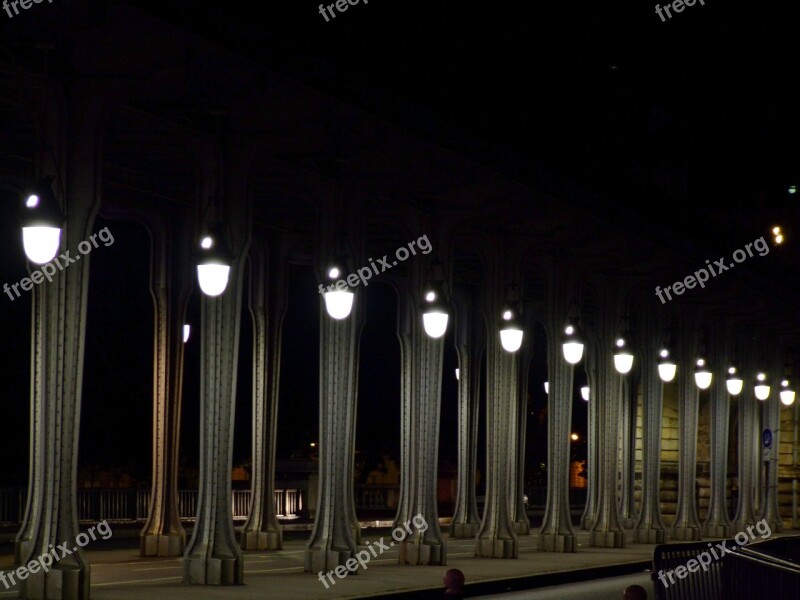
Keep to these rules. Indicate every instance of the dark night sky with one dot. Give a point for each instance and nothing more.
(599, 92)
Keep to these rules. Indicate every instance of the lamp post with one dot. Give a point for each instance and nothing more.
(572, 344)
(666, 366)
(510, 331)
(41, 221)
(761, 387)
(702, 375)
(213, 264)
(339, 300)
(435, 312)
(787, 392)
(623, 357)
(734, 382)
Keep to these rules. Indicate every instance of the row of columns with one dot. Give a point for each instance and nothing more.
(214, 556)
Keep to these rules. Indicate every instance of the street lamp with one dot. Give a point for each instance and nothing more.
(734, 382)
(702, 376)
(585, 392)
(762, 387)
(546, 387)
(666, 366)
(787, 392)
(187, 331)
(41, 221)
(339, 300)
(623, 358)
(510, 331)
(435, 314)
(572, 344)
(213, 264)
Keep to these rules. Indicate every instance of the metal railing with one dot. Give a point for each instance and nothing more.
(133, 505)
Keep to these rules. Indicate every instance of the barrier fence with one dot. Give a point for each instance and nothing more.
(132, 505)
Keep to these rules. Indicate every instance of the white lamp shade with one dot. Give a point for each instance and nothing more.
(187, 331)
(213, 278)
(435, 323)
(666, 371)
(573, 352)
(585, 393)
(41, 243)
(623, 362)
(703, 379)
(762, 391)
(339, 303)
(735, 386)
(787, 397)
(511, 339)
(546, 387)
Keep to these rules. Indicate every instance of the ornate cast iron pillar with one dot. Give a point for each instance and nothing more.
(770, 455)
(606, 530)
(748, 442)
(650, 527)
(58, 325)
(470, 342)
(686, 526)
(333, 539)
(213, 555)
(519, 515)
(170, 286)
(718, 522)
(423, 546)
(557, 534)
(496, 537)
(268, 305)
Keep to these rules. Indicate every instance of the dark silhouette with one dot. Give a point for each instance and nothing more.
(634, 592)
(454, 582)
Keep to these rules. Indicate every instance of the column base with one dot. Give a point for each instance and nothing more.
(463, 530)
(202, 570)
(418, 552)
(716, 531)
(685, 534)
(607, 539)
(159, 544)
(70, 583)
(494, 548)
(775, 525)
(522, 527)
(587, 523)
(262, 540)
(319, 559)
(650, 536)
(628, 522)
(556, 542)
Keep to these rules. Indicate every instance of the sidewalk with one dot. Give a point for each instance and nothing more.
(120, 574)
